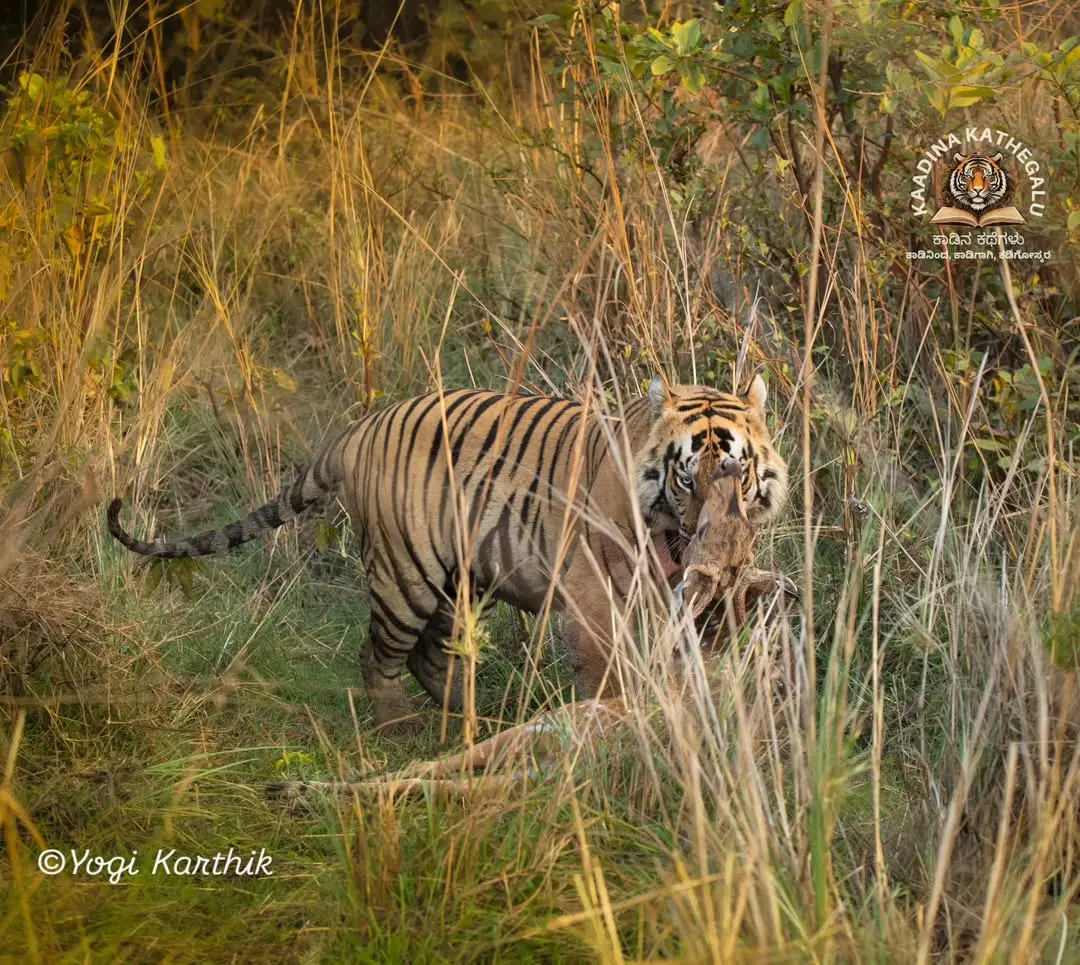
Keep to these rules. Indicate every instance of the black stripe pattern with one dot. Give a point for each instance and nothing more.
(455, 494)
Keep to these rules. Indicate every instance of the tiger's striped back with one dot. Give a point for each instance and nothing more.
(468, 480)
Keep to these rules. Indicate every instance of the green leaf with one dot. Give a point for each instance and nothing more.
(73, 240)
(1073, 223)
(760, 98)
(781, 83)
(965, 95)
(899, 77)
(325, 535)
(154, 572)
(662, 64)
(693, 78)
(937, 69)
(283, 379)
(929, 64)
(956, 29)
(289, 758)
(34, 86)
(866, 10)
(687, 36)
(157, 145)
(760, 139)
(184, 569)
(793, 13)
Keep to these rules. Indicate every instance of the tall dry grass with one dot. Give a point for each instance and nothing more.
(890, 775)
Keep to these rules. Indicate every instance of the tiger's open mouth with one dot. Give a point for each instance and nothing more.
(670, 546)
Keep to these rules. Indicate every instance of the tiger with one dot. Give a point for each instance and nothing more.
(525, 497)
(978, 183)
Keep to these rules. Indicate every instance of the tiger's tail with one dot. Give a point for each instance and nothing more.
(321, 478)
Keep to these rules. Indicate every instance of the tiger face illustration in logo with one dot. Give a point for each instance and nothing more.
(978, 183)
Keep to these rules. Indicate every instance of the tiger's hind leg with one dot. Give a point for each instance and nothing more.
(399, 616)
(440, 674)
(384, 687)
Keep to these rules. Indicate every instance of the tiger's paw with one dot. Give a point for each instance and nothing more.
(401, 725)
(394, 712)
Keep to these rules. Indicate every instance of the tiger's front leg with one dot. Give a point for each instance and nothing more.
(592, 606)
(590, 650)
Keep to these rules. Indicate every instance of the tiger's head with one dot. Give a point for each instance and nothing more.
(695, 431)
(978, 182)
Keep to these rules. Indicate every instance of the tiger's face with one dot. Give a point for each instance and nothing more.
(694, 429)
(977, 182)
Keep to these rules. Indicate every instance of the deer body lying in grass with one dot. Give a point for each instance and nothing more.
(723, 549)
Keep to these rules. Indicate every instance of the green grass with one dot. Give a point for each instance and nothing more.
(255, 687)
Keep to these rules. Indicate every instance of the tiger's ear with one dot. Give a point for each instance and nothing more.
(757, 393)
(958, 157)
(996, 158)
(659, 396)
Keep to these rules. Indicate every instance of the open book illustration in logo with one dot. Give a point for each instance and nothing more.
(977, 193)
